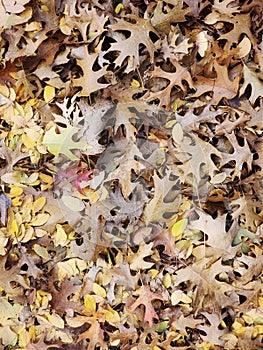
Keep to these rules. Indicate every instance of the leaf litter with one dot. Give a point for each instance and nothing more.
(131, 175)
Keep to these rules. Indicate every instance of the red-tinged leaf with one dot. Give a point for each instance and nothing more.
(76, 176)
(85, 176)
(146, 296)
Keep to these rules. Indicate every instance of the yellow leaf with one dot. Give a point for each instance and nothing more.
(118, 8)
(40, 219)
(134, 82)
(258, 321)
(4, 90)
(115, 343)
(98, 290)
(64, 27)
(189, 250)
(39, 204)
(238, 328)
(23, 338)
(179, 227)
(244, 47)
(111, 315)
(247, 319)
(70, 268)
(40, 232)
(28, 142)
(89, 303)
(259, 329)
(42, 298)
(154, 272)
(170, 124)
(177, 133)
(19, 109)
(41, 251)
(48, 181)
(205, 346)
(81, 264)
(236, 325)
(16, 202)
(14, 228)
(28, 235)
(15, 191)
(49, 93)
(32, 331)
(76, 322)
(254, 334)
(60, 236)
(74, 203)
(3, 243)
(185, 299)
(56, 320)
(44, 8)
(223, 324)
(167, 280)
(33, 26)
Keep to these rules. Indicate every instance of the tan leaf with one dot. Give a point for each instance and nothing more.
(89, 81)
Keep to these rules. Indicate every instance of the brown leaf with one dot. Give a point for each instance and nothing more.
(176, 79)
(11, 280)
(146, 296)
(94, 334)
(162, 21)
(88, 82)
(60, 295)
(130, 47)
(212, 331)
(209, 293)
(221, 86)
(159, 209)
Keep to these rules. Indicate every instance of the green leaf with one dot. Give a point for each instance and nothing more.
(62, 143)
(162, 326)
(258, 321)
(243, 232)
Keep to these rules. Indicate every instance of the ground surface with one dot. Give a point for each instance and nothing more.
(131, 175)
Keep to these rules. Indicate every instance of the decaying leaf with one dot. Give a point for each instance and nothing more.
(131, 165)
(145, 298)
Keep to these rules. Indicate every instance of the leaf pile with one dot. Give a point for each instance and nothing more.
(131, 174)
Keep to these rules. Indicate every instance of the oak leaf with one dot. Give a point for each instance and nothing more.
(60, 295)
(221, 86)
(129, 48)
(213, 333)
(146, 296)
(11, 276)
(175, 78)
(252, 79)
(161, 207)
(209, 293)
(15, 6)
(62, 143)
(88, 82)
(94, 334)
(162, 20)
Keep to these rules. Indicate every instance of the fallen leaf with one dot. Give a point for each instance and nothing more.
(62, 143)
